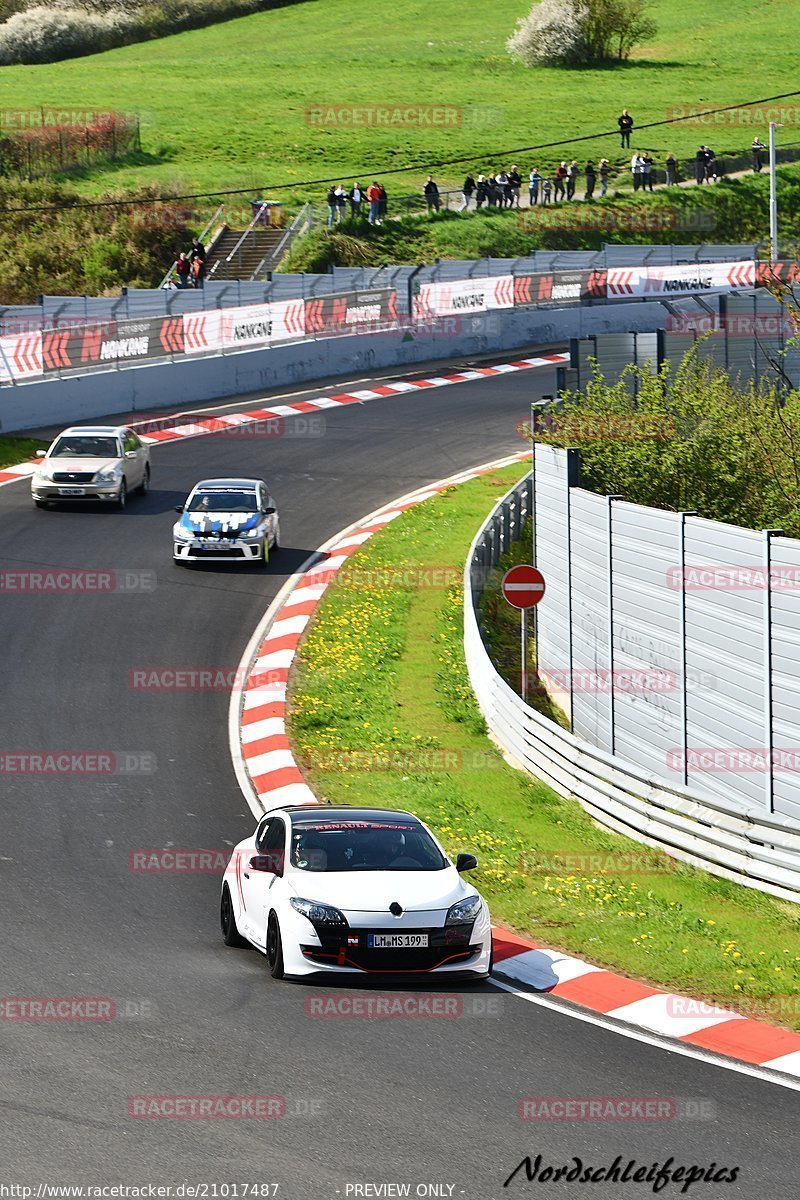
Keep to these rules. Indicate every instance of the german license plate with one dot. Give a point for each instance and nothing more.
(72, 491)
(397, 941)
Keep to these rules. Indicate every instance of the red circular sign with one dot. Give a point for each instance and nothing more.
(523, 586)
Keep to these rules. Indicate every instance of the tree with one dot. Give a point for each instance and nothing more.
(573, 32)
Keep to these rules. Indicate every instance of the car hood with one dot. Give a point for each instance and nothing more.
(224, 523)
(80, 464)
(374, 891)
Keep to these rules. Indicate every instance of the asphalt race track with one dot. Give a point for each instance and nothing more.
(384, 1101)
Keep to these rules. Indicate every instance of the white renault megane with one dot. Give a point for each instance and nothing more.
(340, 889)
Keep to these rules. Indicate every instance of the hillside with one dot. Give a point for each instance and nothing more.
(228, 106)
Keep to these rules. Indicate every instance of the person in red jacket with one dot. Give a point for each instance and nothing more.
(374, 197)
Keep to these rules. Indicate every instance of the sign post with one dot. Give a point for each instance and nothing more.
(523, 587)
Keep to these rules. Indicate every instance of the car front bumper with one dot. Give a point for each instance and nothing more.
(214, 550)
(42, 490)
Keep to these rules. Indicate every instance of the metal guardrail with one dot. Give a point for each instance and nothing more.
(728, 841)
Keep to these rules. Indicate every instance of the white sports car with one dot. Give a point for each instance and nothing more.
(337, 889)
(226, 520)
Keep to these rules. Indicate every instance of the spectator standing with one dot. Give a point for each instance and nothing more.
(534, 183)
(647, 171)
(481, 191)
(711, 165)
(333, 205)
(504, 189)
(491, 190)
(383, 203)
(198, 262)
(604, 170)
(374, 198)
(637, 171)
(672, 170)
(356, 199)
(341, 203)
(515, 179)
(547, 188)
(625, 122)
(560, 181)
(183, 270)
(431, 195)
(591, 180)
(573, 172)
(467, 191)
(700, 161)
(757, 147)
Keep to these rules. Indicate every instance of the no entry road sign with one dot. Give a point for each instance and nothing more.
(523, 586)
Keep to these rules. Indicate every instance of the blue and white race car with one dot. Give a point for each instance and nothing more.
(226, 520)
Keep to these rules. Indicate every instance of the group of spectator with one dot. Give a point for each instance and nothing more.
(190, 266)
(372, 199)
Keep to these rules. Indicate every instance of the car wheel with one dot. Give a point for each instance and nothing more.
(276, 545)
(227, 920)
(123, 495)
(274, 947)
(144, 486)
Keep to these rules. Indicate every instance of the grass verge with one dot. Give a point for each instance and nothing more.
(382, 713)
(15, 450)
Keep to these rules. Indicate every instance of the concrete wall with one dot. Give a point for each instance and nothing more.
(195, 380)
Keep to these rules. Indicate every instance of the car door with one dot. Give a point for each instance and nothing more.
(133, 460)
(265, 502)
(259, 881)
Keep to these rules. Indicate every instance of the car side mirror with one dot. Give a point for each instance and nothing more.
(41, 453)
(466, 862)
(131, 453)
(270, 511)
(179, 508)
(270, 864)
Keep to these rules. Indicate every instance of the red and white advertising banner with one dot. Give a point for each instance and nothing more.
(20, 356)
(687, 280)
(202, 333)
(261, 324)
(463, 296)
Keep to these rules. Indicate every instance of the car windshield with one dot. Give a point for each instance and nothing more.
(229, 502)
(85, 447)
(342, 845)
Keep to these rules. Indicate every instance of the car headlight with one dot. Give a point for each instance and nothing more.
(181, 534)
(109, 476)
(318, 914)
(465, 912)
(252, 534)
(45, 474)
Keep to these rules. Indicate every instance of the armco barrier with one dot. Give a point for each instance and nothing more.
(93, 342)
(732, 842)
(133, 386)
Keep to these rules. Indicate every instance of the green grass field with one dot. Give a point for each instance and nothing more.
(382, 713)
(226, 106)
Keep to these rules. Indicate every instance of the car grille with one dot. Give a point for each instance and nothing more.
(218, 552)
(73, 476)
(445, 946)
